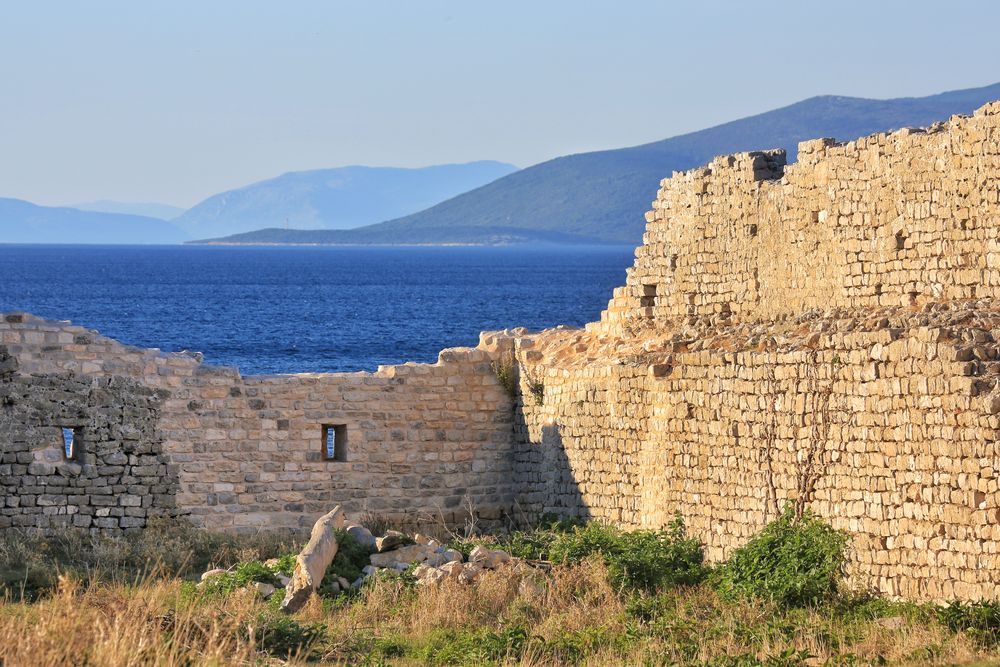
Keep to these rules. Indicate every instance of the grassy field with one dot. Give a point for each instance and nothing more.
(640, 598)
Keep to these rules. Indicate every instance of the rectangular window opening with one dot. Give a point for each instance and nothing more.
(648, 297)
(335, 442)
(69, 443)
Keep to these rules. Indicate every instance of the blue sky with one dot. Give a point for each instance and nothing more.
(174, 101)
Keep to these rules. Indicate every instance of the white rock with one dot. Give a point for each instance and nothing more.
(344, 583)
(212, 573)
(369, 570)
(414, 553)
(453, 555)
(264, 590)
(453, 569)
(470, 573)
(389, 541)
(312, 561)
(362, 535)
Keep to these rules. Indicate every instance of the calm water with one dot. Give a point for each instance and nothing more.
(284, 310)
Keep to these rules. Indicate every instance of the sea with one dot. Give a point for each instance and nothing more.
(310, 309)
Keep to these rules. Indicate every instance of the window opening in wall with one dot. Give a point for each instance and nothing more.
(648, 298)
(900, 241)
(69, 442)
(334, 442)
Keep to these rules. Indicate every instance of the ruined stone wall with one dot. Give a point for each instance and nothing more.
(889, 219)
(822, 335)
(887, 427)
(164, 433)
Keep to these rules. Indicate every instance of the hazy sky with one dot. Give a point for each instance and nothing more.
(174, 101)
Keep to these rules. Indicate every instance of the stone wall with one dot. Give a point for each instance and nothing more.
(424, 441)
(822, 335)
(890, 219)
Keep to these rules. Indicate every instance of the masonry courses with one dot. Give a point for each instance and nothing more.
(821, 335)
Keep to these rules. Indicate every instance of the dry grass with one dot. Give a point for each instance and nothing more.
(577, 618)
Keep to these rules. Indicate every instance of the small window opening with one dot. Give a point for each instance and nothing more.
(648, 298)
(900, 241)
(69, 443)
(673, 262)
(752, 230)
(334, 442)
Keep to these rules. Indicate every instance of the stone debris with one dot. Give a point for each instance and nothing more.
(389, 541)
(312, 561)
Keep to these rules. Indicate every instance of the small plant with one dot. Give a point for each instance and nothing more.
(351, 558)
(792, 562)
(377, 523)
(283, 636)
(240, 576)
(636, 560)
(979, 620)
(504, 367)
(536, 387)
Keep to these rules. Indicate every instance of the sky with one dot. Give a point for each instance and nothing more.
(173, 101)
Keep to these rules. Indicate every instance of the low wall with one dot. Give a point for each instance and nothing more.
(235, 453)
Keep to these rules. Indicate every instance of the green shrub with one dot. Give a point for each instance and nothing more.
(283, 636)
(979, 620)
(240, 576)
(471, 647)
(636, 560)
(792, 562)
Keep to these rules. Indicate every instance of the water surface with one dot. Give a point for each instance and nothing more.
(304, 309)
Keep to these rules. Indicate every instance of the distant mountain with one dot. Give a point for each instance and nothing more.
(147, 209)
(24, 222)
(600, 197)
(339, 198)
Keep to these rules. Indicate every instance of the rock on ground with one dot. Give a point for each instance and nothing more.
(312, 561)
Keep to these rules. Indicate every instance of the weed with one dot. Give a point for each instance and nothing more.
(636, 560)
(505, 368)
(238, 577)
(792, 562)
(283, 636)
(979, 620)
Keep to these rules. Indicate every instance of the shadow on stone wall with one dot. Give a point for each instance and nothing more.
(543, 476)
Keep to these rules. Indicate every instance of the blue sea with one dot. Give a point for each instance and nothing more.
(309, 309)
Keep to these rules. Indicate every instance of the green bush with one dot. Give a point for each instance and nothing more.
(979, 620)
(471, 647)
(240, 576)
(793, 562)
(636, 560)
(283, 636)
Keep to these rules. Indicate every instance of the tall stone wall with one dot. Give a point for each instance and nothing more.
(165, 434)
(820, 335)
(890, 219)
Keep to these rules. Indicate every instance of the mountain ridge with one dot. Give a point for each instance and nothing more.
(601, 196)
(24, 222)
(337, 197)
